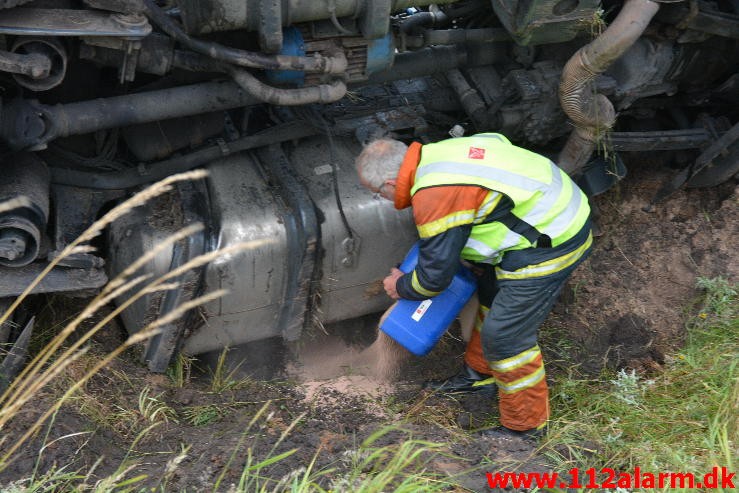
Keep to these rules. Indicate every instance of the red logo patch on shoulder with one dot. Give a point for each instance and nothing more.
(476, 153)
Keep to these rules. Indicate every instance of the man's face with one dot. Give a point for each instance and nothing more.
(386, 190)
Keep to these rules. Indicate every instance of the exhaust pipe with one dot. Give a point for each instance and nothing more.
(593, 114)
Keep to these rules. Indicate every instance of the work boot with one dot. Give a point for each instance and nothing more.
(534, 434)
(467, 380)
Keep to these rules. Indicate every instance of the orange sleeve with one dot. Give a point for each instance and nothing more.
(432, 204)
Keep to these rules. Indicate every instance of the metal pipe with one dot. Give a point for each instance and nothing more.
(593, 114)
(436, 59)
(454, 36)
(471, 101)
(322, 93)
(133, 177)
(242, 58)
(120, 111)
(27, 124)
(33, 65)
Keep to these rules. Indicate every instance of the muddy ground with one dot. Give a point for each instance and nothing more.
(625, 307)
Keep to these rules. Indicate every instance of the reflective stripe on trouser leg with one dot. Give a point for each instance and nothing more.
(473, 354)
(509, 340)
(523, 395)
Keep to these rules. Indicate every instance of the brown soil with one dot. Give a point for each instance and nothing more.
(625, 307)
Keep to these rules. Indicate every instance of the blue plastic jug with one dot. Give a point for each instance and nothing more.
(418, 325)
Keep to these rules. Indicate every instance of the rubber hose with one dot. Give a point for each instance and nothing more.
(242, 58)
(422, 19)
(594, 114)
(324, 93)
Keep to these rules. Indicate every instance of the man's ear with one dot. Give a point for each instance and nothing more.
(391, 181)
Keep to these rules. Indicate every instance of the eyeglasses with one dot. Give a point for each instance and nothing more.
(380, 192)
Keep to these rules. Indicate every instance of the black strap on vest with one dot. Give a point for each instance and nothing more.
(521, 227)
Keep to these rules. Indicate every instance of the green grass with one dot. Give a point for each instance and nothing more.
(402, 467)
(682, 420)
(180, 371)
(223, 378)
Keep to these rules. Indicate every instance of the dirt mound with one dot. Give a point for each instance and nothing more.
(625, 305)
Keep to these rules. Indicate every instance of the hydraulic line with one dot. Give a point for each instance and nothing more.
(242, 58)
(323, 93)
(28, 124)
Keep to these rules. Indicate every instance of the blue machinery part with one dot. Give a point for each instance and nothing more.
(380, 56)
(292, 44)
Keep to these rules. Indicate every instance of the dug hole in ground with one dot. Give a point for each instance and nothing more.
(625, 307)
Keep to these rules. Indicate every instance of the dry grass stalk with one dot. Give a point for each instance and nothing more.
(16, 203)
(149, 331)
(13, 406)
(98, 226)
(151, 254)
(37, 375)
(132, 340)
(113, 289)
(21, 384)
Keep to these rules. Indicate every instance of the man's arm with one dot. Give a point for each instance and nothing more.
(438, 262)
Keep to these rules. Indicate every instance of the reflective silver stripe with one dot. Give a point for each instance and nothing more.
(551, 192)
(487, 207)
(511, 239)
(516, 361)
(542, 207)
(564, 219)
(561, 221)
(490, 136)
(522, 383)
(480, 171)
(547, 267)
(480, 247)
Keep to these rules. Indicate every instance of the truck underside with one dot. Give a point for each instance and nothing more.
(275, 99)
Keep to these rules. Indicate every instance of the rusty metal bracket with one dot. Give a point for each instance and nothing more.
(66, 22)
(15, 280)
(721, 154)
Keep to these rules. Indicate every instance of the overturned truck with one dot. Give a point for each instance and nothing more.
(275, 99)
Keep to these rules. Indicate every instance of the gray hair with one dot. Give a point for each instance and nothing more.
(380, 160)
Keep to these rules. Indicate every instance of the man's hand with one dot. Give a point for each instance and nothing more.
(390, 281)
